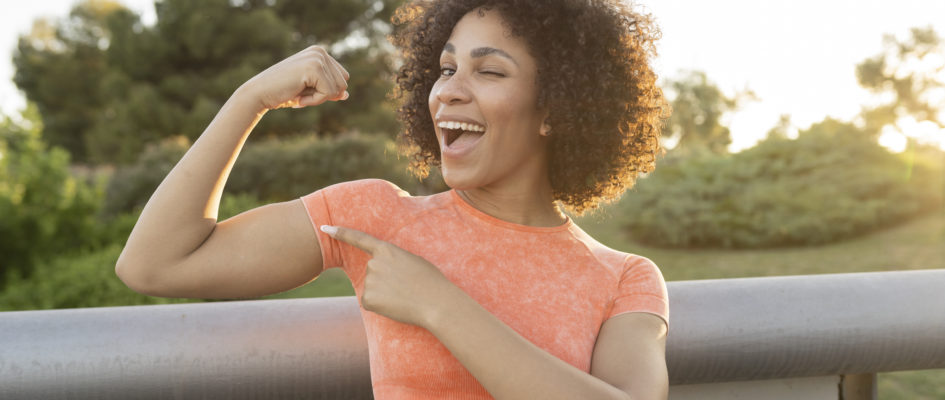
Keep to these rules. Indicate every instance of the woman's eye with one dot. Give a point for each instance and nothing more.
(446, 71)
(493, 73)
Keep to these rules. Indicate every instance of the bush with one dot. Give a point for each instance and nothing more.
(84, 280)
(130, 187)
(44, 209)
(279, 170)
(275, 170)
(828, 184)
(233, 204)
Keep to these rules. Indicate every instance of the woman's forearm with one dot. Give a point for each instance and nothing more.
(504, 362)
(182, 212)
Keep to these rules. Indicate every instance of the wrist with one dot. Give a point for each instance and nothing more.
(245, 98)
(450, 303)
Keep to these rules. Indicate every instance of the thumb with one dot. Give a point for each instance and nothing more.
(314, 99)
(317, 98)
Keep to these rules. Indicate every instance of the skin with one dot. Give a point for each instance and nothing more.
(178, 249)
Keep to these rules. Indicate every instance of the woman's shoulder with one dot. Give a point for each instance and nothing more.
(370, 198)
(360, 193)
(371, 186)
(617, 261)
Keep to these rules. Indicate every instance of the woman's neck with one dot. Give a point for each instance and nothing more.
(530, 206)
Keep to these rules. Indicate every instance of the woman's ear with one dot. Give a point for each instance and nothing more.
(545, 129)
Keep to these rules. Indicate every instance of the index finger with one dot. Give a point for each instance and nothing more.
(344, 72)
(353, 237)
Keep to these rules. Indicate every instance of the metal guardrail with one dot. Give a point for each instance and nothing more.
(808, 325)
(720, 331)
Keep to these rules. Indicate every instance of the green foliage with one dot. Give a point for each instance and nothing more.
(84, 280)
(832, 182)
(696, 122)
(44, 210)
(107, 85)
(275, 169)
(906, 71)
(131, 186)
(279, 170)
(233, 204)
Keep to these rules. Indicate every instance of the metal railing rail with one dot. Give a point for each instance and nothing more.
(720, 331)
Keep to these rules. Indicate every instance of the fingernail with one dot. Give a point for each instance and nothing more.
(330, 230)
(345, 95)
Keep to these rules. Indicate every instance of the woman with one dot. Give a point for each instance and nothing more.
(484, 290)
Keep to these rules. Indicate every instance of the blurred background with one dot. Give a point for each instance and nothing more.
(807, 137)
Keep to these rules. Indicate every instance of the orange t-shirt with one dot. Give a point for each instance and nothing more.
(553, 285)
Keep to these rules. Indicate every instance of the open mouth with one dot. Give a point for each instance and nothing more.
(459, 132)
(450, 135)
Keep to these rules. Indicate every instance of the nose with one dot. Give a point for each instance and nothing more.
(453, 90)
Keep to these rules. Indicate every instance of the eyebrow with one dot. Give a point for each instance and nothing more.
(481, 52)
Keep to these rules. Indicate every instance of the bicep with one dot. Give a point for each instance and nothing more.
(630, 354)
(266, 250)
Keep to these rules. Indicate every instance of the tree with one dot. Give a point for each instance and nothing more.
(782, 129)
(107, 85)
(44, 210)
(908, 74)
(698, 106)
(59, 66)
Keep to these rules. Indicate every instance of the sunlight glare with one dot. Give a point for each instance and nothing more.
(892, 139)
(926, 132)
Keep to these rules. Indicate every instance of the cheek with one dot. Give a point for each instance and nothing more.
(431, 99)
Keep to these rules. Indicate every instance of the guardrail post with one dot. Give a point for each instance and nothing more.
(858, 387)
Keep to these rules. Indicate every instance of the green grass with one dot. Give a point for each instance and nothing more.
(914, 244)
(912, 385)
(332, 282)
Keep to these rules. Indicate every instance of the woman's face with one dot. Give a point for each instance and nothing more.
(484, 107)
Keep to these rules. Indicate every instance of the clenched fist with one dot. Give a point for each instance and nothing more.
(307, 78)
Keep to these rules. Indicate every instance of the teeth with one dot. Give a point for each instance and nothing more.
(461, 125)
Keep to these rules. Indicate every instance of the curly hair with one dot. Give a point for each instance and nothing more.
(594, 78)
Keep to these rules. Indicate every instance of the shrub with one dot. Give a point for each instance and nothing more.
(279, 170)
(275, 169)
(130, 187)
(84, 280)
(828, 184)
(232, 204)
(44, 209)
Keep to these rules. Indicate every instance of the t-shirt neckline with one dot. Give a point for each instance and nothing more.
(475, 212)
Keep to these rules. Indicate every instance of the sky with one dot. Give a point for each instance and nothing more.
(798, 57)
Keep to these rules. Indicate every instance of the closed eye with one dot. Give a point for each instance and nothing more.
(494, 73)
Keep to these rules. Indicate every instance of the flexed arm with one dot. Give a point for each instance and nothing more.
(178, 249)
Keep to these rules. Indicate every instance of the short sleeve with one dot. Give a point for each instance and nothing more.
(641, 289)
(365, 205)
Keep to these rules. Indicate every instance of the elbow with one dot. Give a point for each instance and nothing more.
(134, 274)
